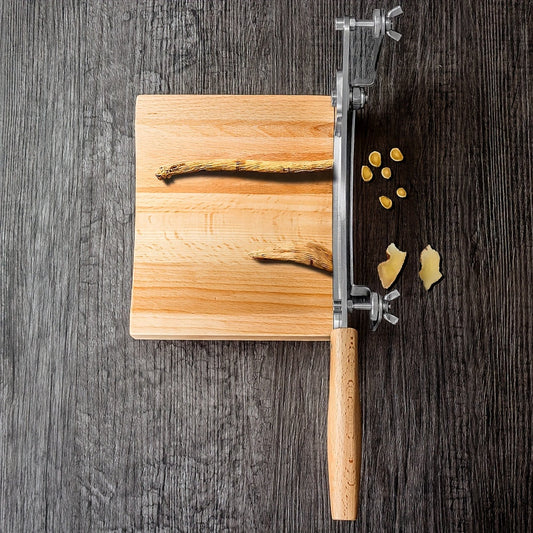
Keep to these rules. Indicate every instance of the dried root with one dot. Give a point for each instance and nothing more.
(230, 165)
(311, 254)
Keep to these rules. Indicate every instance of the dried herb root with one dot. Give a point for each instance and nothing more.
(250, 165)
(311, 254)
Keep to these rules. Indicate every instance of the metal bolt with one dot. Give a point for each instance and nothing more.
(358, 97)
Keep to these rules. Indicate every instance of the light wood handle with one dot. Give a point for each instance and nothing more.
(249, 165)
(344, 425)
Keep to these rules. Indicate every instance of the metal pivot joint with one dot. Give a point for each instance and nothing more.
(349, 95)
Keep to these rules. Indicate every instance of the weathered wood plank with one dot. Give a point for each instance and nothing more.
(40, 183)
(101, 432)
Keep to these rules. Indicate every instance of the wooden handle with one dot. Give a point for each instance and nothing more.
(250, 165)
(344, 425)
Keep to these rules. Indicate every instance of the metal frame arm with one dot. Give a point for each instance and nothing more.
(350, 95)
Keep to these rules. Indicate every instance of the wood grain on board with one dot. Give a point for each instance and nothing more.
(193, 276)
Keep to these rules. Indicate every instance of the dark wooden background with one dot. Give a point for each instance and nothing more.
(103, 433)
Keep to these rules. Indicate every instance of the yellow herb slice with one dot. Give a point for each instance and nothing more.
(366, 173)
(396, 154)
(430, 272)
(388, 270)
(385, 201)
(375, 159)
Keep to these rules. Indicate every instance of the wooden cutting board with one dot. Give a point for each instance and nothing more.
(192, 275)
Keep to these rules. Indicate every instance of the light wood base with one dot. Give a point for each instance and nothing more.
(193, 277)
